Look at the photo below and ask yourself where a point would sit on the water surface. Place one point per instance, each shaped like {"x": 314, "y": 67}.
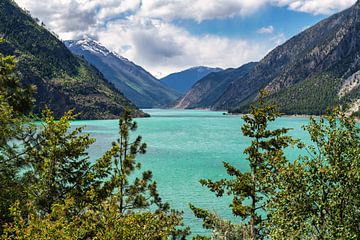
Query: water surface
{"x": 185, "y": 146}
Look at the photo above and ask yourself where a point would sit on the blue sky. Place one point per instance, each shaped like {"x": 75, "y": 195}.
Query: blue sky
{"x": 166, "y": 36}
{"x": 281, "y": 19}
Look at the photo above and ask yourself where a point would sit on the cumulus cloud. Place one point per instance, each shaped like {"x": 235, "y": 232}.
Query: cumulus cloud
{"x": 142, "y": 30}
{"x": 316, "y": 6}
{"x": 70, "y": 18}
{"x": 266, "y": 30}
{"x": 164, "y": 48}
{"x": 199, "y": 10}
{"x": 76, "y": 18}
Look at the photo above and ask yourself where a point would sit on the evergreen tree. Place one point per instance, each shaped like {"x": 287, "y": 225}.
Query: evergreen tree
{"x": 90, "y": 201}
{"x": 134, "y": 193}
{"x": 56, "y": 162}
{"x": 15, "y": 101}
{"x": 140, "y": 193}
{"x": 266, "y": 157}
{"x": 319, "y": 195}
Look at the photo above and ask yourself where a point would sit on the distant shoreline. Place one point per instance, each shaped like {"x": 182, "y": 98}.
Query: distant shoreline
{"x": 282, "y": 115}
{"x": 357, "y": 119}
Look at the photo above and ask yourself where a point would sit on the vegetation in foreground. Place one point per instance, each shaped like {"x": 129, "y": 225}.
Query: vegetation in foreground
{"x": 51, "y": 191}
{"x": 315, "y": 197}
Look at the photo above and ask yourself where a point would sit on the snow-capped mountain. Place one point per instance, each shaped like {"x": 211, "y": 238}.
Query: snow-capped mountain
{"x": 135, "y": 82}
{"x": 184, "y": 80}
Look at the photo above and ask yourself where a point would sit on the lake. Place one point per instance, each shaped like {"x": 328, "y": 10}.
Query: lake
{"x": 185, "y": 146}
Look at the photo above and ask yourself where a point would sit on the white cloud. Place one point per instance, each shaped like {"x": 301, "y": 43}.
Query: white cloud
{"x": 71, "y": 18}
{"x": 76, "y": 18}
{"x": 142, "y": 31}
{"x": 199, "y": 10}
{"x": 266, "y": 30}
{"x": 163, "y": 48}
{"x": 315, "y": 6}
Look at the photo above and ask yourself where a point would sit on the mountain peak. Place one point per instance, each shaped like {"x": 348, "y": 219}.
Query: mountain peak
{"x": 93, "y": 46}
{"x": 184, "y": 80}
{"x": 134, "y": 81}
{"x": 89, "y": 44}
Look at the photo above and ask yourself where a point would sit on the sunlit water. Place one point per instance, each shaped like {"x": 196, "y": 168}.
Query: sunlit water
{"x": 185, "y": 146}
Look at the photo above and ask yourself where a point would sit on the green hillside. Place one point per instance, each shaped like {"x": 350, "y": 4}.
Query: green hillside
{"x": 63, "y": 81}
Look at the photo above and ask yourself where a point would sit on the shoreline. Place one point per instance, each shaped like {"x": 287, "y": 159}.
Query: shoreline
{"x": 225, "y": 113}
{"x": 357, "y": 119}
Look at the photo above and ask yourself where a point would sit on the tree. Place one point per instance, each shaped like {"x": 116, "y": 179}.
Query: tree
{"x": 15, "y": 102}
{"x": 103, "y": 222}
{"x": 57, "y": 163}
{"x": 68, "y": 196}
{"x": 266, "y": 157}
{"x": 319, "y": 195}
{"x": 140, "y": 193}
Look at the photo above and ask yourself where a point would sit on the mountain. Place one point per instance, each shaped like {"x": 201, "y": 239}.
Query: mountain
{"x": 314, "y": 70}
{"x": 184, "y": 80}
{"x": 209, "y": 89}
{"x": 136, "y": 83}
{"x": 63, "y": 80}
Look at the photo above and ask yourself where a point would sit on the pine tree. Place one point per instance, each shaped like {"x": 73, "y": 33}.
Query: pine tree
{"x": 56, "y": 162}
{"x": 15, "y": 102}
{"x": 266, "y": 157}
{"x": 92, "y": 201}
{"x": 141, "y": 192}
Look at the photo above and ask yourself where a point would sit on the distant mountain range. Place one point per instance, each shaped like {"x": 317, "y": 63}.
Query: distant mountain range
{"x": 137, "y": 84}
{"x": 316, "y": 69}
{"x": 206, "y": 92}
{"x": 63, "y": 80}
{"x": 184, "y": 80}
{"x": 312, "y": 71}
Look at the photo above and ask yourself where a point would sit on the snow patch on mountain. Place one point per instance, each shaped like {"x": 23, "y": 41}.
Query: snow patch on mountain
{"x": 91, "y": 45}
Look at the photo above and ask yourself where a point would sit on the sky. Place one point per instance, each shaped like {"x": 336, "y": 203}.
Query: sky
{"x": 166, "y": 36}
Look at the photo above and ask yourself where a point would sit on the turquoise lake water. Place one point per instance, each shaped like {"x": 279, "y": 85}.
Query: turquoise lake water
{"x": 185, "y": 146}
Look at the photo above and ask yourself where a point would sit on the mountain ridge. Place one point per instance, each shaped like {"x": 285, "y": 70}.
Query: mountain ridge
{"x": 135, "y": 82}
{"x": 208, "y": 89}
{"x": 305, "y": 74}
{"x": 63, "y": 81}
{"x": 182, "y": 81}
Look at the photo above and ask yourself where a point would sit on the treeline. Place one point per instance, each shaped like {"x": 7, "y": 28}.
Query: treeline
{"x": 313, "y": 96}
{"x": 50, "y": 190}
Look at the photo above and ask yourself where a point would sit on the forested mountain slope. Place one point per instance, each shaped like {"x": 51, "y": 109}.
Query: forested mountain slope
{"x": 138, "y": 85}
{"x": 63, "y": 80}
{"x": 312, "y": 71}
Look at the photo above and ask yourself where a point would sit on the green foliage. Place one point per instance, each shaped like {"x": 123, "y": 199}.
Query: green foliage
{"x": 311, "y": 96}
{"x": 19, "y": 98}
{"x": 104, "y": 222}
{"x": 15, "y": 101}
{"x": 319, "y": 195}
{"x": 50, "y": 190}
{"x": 69, "y": 198}
{"x": 266, "y": 157}
{"x": 56, "y": 162}
{"x": 133, "y": 194}
{"x": 221, "y": 229}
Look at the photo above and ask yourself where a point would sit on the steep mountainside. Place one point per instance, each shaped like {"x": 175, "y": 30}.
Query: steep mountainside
{"x": 137, "y": 84}
{"x": 310, "y": 72}
{"x": 63, "y": 81}
{"x": 209, "y": 89}
{"x": 184, "y": 80}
